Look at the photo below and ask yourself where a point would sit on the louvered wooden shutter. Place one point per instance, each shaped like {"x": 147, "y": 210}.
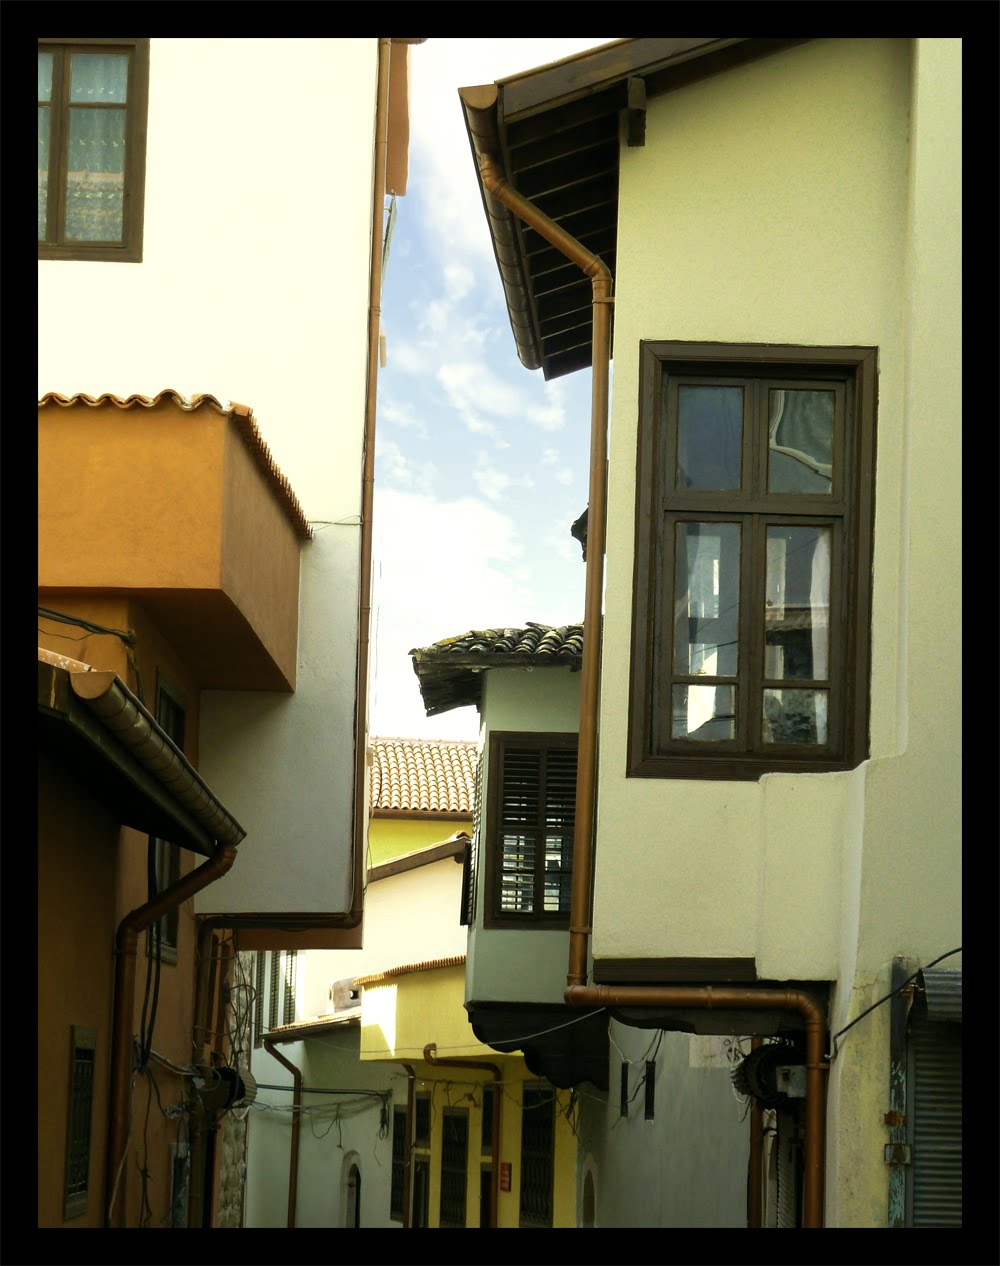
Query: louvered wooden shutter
{"x": 531, "y": 835}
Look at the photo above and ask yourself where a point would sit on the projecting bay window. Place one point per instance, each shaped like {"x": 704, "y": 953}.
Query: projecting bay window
{"x": 92, "y": 97}
{"x": 529, "y": 831}
{"x": 753, "y": 559}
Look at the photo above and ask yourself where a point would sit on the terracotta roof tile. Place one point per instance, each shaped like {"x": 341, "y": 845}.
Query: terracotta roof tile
{"x": 449, "y": 672}
{"x": 432, "y": 964}
{"x": 241, "y": 415}
{"x": 426, "y": 775}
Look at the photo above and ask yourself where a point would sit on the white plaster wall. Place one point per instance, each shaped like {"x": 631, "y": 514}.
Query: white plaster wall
{"x": 768, "y": 205}
{"x": 254, "y": 287}
{"x": 331, "y": 1062}
{"x": 687, "y": 1167}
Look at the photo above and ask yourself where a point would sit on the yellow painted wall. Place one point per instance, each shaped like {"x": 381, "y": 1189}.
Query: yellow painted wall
{"x": 389, "y": 838}
{"x": 398, "y": 1019}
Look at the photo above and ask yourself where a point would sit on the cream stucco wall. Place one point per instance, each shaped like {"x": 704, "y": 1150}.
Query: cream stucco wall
{"x": 811, "y": 198}
{"x": 254, "y": 287}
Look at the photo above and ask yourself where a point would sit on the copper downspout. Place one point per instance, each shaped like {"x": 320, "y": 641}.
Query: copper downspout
{"x": 126, "y": 944}
{"x": 755, "y": 1180}
{"x": 411, "y": 1096}
{"x": 293, "y": 1163}
{"x": 431, "y": 1056}
{"x": 748, "y": 998}
{"x": 578, "y": 993}
{"x": 586, "y": 777}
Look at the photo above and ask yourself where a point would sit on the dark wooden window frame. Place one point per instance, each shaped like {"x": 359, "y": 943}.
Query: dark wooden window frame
{"x": 129, "y": 250}
{"x": 848, "y": 509}
{"x": 538, "y": 918}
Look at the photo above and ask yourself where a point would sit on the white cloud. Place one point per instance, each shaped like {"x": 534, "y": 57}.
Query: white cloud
{"x": 493, "y": 482}
{"x": 397, "y": 470}
{"x": 401, "y": 415}
{"x": 441, "y": 162}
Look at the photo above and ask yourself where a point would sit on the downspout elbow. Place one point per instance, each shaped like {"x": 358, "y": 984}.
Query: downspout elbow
{"x": 126, "y": 945}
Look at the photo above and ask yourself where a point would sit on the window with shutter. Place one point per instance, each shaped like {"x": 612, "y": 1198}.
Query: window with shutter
{"x": 529, "y": 833}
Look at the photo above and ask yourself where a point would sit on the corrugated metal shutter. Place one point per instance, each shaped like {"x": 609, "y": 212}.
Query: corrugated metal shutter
{"x": 936, "y": 1083}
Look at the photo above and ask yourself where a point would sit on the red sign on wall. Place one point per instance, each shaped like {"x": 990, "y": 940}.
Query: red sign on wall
{"x": 504, "y": 1177}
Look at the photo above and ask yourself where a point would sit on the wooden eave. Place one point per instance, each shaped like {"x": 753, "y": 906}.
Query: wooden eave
{"x": 555, "y": 131}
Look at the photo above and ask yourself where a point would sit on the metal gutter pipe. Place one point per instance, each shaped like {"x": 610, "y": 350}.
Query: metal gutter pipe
{"x": 431, "y": 1056}
{"x": 744, "y": 998}
{"x": 755, "y": 1176}
{"x": 590, "y": 671}
{"x": 293, "y": 1163}
{"x": 126, "y": 943}
{"x": 578, "y": 993}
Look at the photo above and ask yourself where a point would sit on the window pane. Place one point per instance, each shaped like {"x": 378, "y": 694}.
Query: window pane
{"x": 707, "y": 599}
{"x": 797, "y": 597}
{"x": 98, "y": 77}
{"x": 44, "y": 116}
{"x": 45, "y": 76}
{"x": 558, "y": 873}
{"x": 709, "y": 436}
{"x": 707, "y": 713}
{"x": 95, "y": 181}
{"x": 795, "y": 716}
{"x": 801, "y": 441}
{"x": 517, "y": 873}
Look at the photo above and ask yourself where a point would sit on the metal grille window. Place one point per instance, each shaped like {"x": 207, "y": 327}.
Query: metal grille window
{"x": 454, "y": 1166}
{"x": 92, "y": 99}
{"x": 399, "y": 1142}
{"x": 81, "y": 1092}
{"x": 486, "y": 1142}
{"x": 530, "y": 818}
{"x": 274, "y": 1009}
{"x": 537, "y": 1155}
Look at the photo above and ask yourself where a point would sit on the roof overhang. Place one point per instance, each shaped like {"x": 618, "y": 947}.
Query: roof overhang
{"x": 555, "y": 132}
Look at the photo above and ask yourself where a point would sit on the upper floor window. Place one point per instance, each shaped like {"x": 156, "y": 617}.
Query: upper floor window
{"x": 752, "y": 598}
{"x": 529, "y": 829}
{"x": 92, "y": 97}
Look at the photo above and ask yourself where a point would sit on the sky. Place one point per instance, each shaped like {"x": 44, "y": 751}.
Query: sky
{"x": 481, "y": 466}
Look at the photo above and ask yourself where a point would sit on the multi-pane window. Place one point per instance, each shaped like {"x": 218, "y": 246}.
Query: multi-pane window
{"x": 529, "y": 837}
{"x": 259, "y": 979}
{"x": 92, "y": 96}
{"x": 83, "y": 1042}
{"x": 753, "y": 557}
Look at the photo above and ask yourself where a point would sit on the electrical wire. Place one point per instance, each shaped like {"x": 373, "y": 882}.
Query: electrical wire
{"x": 833, "y": 1055}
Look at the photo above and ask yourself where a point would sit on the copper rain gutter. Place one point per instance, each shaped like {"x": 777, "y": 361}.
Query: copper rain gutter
{"x": 586, "y": 777}
{"x": 293, "y": 1163}
{"x": 126, "y": 943}
{"x": 431, "y": 1056}
{"x": 578, "y": 993}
